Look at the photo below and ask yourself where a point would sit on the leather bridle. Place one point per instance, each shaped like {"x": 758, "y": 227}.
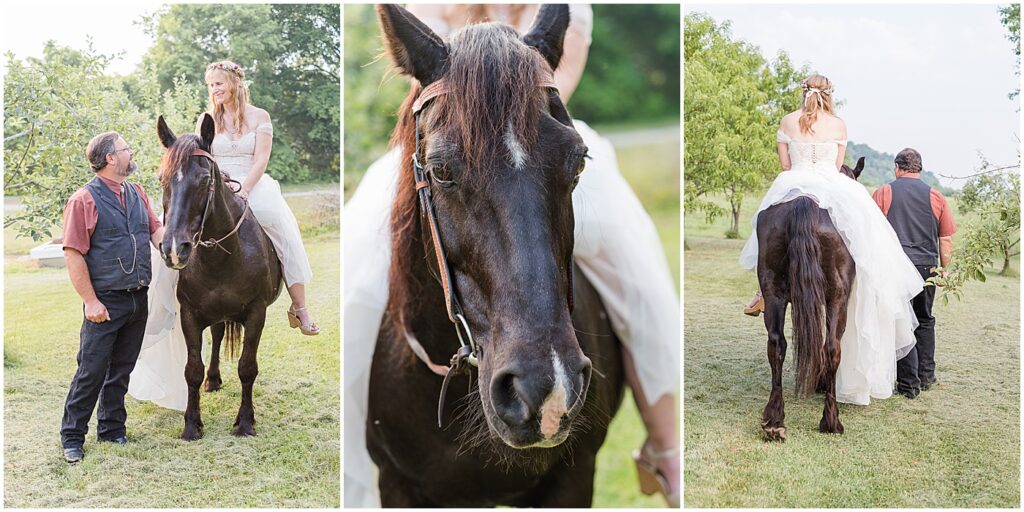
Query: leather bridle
{"x": 467, "y": 355}
{"x": 197, "y": 238}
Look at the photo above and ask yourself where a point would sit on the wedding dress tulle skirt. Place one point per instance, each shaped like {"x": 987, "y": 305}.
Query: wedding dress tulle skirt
{"x": 159, "y": 374}
{"x": 617, "y": 248}
{"x": 881, "y": 321}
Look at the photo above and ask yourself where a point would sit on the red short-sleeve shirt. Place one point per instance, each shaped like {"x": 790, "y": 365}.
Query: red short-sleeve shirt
{"x": 81, "y": 215}
{"x": 883, "y": 197}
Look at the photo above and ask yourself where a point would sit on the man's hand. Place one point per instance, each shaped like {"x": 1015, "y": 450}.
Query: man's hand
{"x": 96, "y": 312}
{"x": 939, "y": 279}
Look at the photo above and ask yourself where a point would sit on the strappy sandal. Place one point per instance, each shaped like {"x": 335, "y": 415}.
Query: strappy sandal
{"x": 756, "y": 309}
{"x": 651, "y": 478}
{"x": 309, "y": 329}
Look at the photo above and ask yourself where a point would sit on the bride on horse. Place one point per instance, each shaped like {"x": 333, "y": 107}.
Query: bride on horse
{"x": 881, "y": 321}
{"x": 616, "y": 247}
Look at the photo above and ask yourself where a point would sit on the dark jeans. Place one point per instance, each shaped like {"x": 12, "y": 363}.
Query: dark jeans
{"x": 919, "y": 365}
{"x": 106, "y": 357}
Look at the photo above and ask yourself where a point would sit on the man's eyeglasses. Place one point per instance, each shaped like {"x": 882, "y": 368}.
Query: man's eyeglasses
{"x": 128, "y": 149}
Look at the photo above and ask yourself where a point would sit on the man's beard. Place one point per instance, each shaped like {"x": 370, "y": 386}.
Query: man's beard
{"x": 132, "y": 167}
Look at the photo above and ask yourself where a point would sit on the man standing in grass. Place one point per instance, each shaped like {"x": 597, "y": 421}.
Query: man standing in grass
{"x": 924, "y": 224}
{"x": 106, "y": 225}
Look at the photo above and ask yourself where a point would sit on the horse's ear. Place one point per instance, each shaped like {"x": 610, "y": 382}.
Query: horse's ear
{"x": 167, "y": 137}
{"x": 207, "y": 130}
{"x": 414, "y": 49}
{"x": 548, "y": 32}
{"x": 860, "y": 167}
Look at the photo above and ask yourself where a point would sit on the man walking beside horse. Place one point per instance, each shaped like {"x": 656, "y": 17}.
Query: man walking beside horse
{"x": 924, "y": 224}
{"x": 106, "y": 225}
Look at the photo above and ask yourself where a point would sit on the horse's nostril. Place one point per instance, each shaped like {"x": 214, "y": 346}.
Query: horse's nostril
{"x": 506, "y": 389}
{"x": 582, "y": 382}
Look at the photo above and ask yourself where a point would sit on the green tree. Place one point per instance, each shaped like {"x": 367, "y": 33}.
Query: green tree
{"x": 291, "y": 55}
{"x": 53, "y": 106}
{"x": 1009, "y": 16}
{"x": 734, "y": 99}
{"x": 995, "y": 198}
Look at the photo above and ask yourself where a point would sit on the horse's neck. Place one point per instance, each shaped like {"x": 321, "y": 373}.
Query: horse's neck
{"x": 224, "y": 215}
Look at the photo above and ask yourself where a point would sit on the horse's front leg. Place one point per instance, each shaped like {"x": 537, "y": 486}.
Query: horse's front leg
{"x": 773, "y": 419}
{"x": 193, "y": 332}
{"x": 213, "y": 380}
{"x": 835, "y": 326}
{"x": 248, "y": 369}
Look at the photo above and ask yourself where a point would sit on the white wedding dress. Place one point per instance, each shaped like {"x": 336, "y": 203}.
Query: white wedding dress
{"x": 617, "y": 247}
{"x": 880, "y": 323}
{"x": 159, "y": 374}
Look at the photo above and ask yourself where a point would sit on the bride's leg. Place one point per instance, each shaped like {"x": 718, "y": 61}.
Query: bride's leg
{"x": 297, "y": 292}
{"x": 660, "y": 420}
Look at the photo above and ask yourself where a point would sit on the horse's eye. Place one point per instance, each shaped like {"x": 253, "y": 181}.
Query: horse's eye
{"x": 442, "y": 174}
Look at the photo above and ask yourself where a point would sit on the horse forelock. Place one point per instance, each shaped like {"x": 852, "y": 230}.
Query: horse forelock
{"x": 175, "y": 157}
{"x": 493, "y": 106}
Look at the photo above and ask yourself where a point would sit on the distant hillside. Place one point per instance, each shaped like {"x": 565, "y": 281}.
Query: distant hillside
{"x": 878, "y": 167}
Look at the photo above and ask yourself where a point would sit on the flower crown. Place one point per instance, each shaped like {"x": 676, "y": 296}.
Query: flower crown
{"x": 808, "y": 89}
{"x": 227, "y": 66}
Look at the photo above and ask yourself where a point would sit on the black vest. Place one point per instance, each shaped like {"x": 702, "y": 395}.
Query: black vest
{"x": 118, "y": 257}
{"x": 914, "y": 221}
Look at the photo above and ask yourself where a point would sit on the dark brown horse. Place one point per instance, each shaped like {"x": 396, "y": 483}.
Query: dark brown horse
{"x": 802, "y": 259}
{"x": 483, "y": 206}
{"x": 228, "y": 270}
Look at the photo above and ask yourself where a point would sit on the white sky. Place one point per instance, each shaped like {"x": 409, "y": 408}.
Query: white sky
{"x": 114, "y": 27}
{"x": 931, "y": 77}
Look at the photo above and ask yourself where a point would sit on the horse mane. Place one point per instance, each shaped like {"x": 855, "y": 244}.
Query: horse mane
{"x": 491, "y": 79}
{"x": 175, "y": 156}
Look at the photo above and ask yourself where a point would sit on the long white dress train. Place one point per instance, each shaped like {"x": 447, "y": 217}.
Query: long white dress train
{"x": 617, "y": 248}
{"x": 159, "y": 374}
{"x": 881, "y": 322}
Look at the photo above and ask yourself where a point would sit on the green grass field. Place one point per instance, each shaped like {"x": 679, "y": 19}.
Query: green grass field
{"x": 292, "y": 462}
{"x": 957, "y": 445}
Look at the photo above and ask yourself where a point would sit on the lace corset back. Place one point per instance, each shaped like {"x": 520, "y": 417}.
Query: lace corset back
{"x": 234, "y": 156}
{"x": 812, "y": 155}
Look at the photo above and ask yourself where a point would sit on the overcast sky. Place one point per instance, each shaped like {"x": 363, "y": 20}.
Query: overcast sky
{"x": 114, "y": 28}
{"x": 931, "y": 77}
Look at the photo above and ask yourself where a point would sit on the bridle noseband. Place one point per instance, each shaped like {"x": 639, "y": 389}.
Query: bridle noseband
{"x": 197, "y": 238}
{"x": 467, "y": 355}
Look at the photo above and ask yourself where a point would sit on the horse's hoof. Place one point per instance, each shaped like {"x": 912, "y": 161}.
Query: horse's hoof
{"x": 243, "y": 431}
{"x": 191, "y": 434}
{"x": 775, "y": 434}
{"x": 213, "y": 384}
{"x": 826, "y": 428}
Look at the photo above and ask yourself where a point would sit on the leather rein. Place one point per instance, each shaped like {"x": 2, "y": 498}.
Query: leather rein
{"x": 467, "y": 355}
{"x": 212, "y": 242}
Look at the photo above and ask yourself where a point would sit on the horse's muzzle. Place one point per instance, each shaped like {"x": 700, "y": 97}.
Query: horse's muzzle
{"x": 176, "y": 254}
{"x": 535, "y": 409}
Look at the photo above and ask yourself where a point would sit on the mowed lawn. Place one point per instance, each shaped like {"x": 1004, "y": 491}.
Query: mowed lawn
{"x": 957, "y": 445}
{"x": 292, "y": 462}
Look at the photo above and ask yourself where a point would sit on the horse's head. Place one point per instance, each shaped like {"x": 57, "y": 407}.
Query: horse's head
{"x": 853, "y": 173}
{"x": 188, "y": 179}
{"x": 503, "y": 158}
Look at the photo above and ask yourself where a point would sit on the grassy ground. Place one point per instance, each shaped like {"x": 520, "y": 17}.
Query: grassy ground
{"x": 957, "y": 445}
{"x": 293, "y": 461}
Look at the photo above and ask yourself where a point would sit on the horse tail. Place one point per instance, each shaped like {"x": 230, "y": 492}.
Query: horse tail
{"x": 232, "y": 338}
{"x": 807, "y": 293}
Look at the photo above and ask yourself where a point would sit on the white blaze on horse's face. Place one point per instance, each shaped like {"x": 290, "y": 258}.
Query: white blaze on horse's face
{"x": 179, "y": 175}
{"x": 515, "y": 148}
{"x": 175, "y": 261}
{"x": 556, "y": 405}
